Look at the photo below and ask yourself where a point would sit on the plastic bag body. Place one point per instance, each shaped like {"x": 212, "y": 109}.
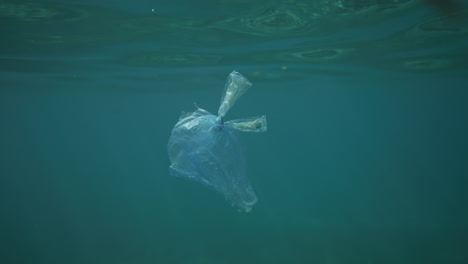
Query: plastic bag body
{"x": 204, "y": 148}
{"x": 204, "y": 151}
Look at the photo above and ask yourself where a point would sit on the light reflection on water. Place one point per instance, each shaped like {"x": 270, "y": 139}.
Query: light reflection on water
{"x": 311, "y": 33}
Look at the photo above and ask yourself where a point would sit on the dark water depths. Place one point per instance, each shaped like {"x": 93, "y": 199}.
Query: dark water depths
{"x": 365, "y": 160}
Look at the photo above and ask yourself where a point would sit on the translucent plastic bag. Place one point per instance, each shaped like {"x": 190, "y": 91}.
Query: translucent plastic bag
{"x": 204, "y": 148}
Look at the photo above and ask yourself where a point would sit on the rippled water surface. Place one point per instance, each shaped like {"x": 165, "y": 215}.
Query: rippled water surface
{"x": 364, "y": 160}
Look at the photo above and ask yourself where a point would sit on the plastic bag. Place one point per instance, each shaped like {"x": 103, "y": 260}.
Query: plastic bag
{"x": 204, "y": 148}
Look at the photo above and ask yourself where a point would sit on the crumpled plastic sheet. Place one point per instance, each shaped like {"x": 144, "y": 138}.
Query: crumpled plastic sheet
{"x": 204, "y": 148}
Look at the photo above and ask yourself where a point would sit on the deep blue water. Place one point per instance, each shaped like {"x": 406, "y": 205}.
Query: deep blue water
{"x": 365, "y": 159}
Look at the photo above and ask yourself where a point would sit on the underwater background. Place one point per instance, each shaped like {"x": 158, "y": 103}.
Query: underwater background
{"x": 365, "y": 159}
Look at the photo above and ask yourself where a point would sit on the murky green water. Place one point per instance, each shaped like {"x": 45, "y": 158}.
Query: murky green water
{"x": 364, "y": 161}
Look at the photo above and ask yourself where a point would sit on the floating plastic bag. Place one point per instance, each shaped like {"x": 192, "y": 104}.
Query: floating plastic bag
{"x": 204, "y": 148}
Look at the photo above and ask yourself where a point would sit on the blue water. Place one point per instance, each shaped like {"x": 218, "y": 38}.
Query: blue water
{"x": 364, "y": 161}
